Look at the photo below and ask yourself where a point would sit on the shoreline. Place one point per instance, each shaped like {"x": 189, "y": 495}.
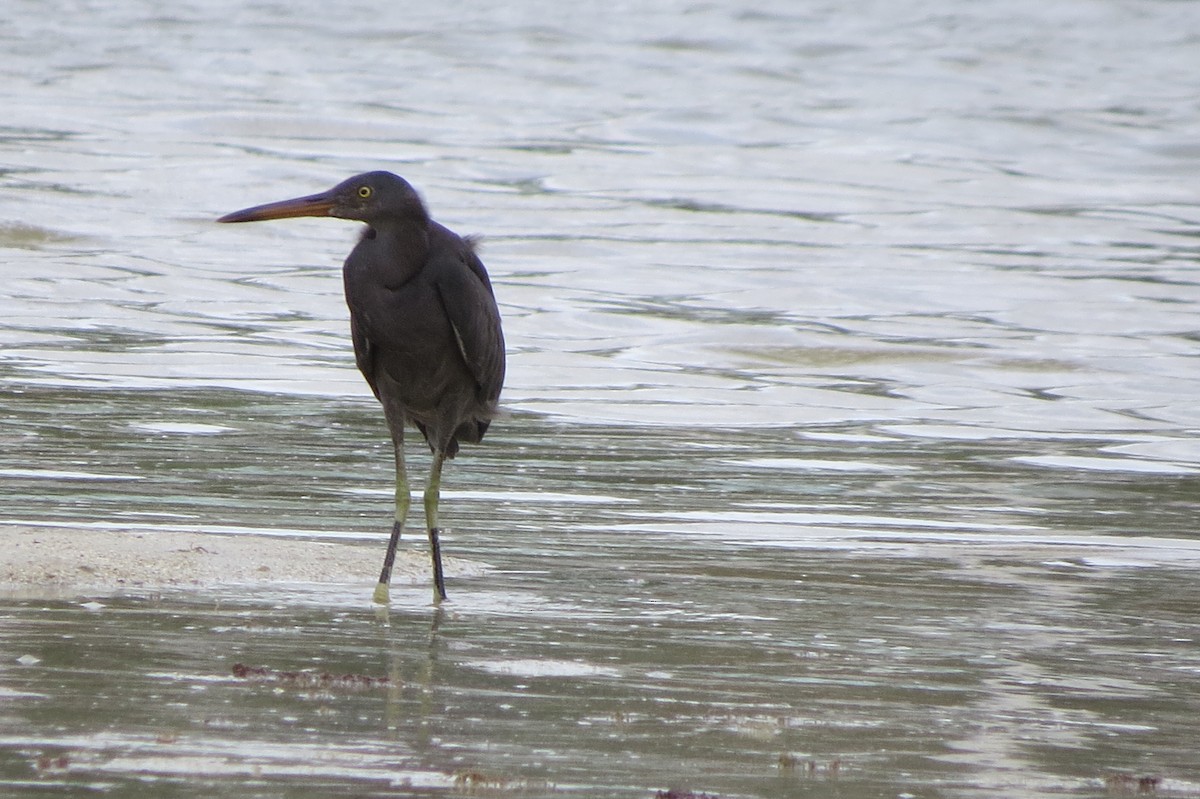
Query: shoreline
{"x": 54, "y": 562}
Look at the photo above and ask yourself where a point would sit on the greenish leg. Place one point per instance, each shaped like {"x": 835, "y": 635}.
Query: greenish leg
{"x": 403, "y": 500}
{"x": 431, "y": 522}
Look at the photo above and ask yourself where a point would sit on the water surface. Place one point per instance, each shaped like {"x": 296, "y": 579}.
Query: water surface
{"x": 850, "y": 435}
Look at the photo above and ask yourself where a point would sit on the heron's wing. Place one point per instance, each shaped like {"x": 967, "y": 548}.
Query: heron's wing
{"x": 364, "y": 354}
{"x": 466, "y": 296}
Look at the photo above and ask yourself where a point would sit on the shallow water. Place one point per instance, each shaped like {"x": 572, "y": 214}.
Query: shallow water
{"x": 850, "y": 442}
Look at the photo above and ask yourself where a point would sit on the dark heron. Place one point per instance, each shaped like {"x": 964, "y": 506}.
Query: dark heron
{"x": 425, "y": 326}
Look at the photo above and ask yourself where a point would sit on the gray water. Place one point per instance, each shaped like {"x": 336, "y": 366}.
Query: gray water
{"x": 850, "y": 436}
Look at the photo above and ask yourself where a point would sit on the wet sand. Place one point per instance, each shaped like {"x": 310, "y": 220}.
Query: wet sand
{"x": 51, "y": 562}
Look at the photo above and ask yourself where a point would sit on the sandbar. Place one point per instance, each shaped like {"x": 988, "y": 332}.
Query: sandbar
{"x": 53, "y": 562}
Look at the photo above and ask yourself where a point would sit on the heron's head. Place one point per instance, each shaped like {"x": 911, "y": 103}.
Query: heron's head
{"x": 372, "y": 197}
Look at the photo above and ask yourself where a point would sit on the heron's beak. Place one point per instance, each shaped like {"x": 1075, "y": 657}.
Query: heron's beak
{"x": 313, "y": 205}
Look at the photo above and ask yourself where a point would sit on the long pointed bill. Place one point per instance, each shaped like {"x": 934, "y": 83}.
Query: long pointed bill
{"x": 313, "y": 205}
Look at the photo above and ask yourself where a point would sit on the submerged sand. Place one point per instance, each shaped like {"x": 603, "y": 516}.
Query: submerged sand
{"x": 52, "y": 562}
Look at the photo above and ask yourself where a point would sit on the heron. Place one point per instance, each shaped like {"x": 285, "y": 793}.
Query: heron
{"x": 425, "y": 327}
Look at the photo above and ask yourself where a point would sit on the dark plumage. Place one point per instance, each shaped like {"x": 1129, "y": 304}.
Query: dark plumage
{"x": 425, "y": 327}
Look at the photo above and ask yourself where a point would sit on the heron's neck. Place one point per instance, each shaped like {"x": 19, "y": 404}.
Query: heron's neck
{"x": 394, "y": 251}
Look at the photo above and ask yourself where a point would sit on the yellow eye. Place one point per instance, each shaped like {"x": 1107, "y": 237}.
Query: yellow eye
{"x": 365, "y": 192}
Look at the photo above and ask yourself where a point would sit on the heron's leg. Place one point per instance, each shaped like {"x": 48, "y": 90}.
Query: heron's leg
{"x": 431, "y": 511}
{"x": 403, "y": 500}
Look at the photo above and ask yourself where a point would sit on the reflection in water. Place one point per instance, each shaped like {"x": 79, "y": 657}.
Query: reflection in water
{"x": 688, "y": 608}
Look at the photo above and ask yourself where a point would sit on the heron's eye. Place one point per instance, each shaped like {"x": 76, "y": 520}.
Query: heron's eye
{"x": 365, "y": 192}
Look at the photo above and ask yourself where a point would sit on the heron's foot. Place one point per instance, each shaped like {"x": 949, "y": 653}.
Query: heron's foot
{"x": 382, "y": 595}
